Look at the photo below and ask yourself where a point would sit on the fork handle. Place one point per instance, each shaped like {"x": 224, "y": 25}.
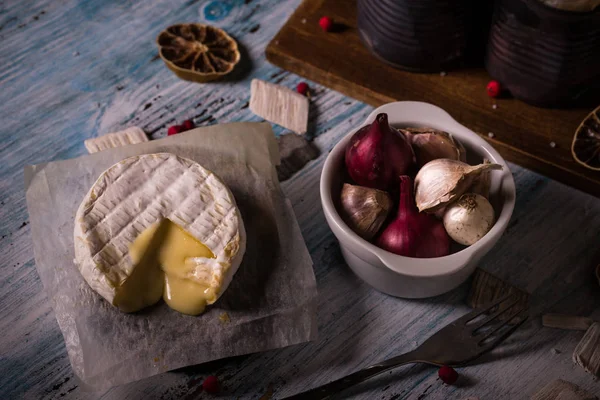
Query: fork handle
{"x": 324, "y": 391}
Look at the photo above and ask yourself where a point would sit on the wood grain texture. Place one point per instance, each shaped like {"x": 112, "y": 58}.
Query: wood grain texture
{"x": 522, "y": 133}
{"x": 560, "y": 389}
{"x": 74, "y": 69}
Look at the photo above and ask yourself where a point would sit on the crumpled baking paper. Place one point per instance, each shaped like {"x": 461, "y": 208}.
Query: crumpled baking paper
{"x": 271, "y": 302}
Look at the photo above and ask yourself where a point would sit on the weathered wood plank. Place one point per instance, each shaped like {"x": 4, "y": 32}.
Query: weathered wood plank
{"x": 82, "y": 69}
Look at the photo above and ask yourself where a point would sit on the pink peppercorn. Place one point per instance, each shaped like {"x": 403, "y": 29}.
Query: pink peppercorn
{"x": 211, "y": 384}
{"x": 326, "y": 24}
{"x": 188, "y": 124}
{"x": 302, "y": 88}
{"x": 448, "y": 375}
{"x": 174, "y": 130}
{"x": 493, "y": 89}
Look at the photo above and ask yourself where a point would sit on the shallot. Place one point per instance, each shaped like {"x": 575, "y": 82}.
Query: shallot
{"x": 414, "y": 234}
{"x": 378, "y": 155}
{"x": 469, "y": 219}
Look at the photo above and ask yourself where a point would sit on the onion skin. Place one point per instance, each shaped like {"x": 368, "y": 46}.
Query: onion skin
{"x": 442, "y": 181}
{"x": 364, "y": 209}
{"x": 430, "y": 144}
{"x": 378, "y": 155}
{"x": 413, "y": 234}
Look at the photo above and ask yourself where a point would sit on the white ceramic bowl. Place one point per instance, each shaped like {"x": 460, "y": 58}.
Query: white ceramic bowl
{"x": 405, "y": 276}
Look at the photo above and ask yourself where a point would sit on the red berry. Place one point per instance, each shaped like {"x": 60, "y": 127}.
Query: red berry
{"x": 211, "y": 384}
{"x": 493, "y": 89}
{"x": 448, "y": 375}
{"x": 174, "y": 130}
{"x": 187, "y": 125}
{"x": 326, "y": 24}
{"x": 302, "y": 88}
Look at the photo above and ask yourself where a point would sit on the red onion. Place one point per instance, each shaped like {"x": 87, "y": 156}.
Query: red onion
{"x": 378, "y": 154}
{"x": 411, "y": 233}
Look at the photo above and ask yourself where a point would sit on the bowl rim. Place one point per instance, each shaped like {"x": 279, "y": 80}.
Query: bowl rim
{"x": 413, "y": 112}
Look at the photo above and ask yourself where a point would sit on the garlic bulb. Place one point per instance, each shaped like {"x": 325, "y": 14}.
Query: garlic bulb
{"x": 469, "y": 219}
{"x": 430, "y": 144}
{"x": 365, "y": 209}
{"x": 442, "y": 181}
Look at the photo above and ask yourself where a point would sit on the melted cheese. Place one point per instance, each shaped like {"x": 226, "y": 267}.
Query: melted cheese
{"x": 159, "y": 254}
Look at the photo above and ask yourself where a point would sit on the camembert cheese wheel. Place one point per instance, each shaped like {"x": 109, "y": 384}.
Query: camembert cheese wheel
{"x": 159, "y": 226}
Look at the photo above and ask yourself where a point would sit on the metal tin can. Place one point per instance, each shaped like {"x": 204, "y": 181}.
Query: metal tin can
{"x": 423, "y": 35}
{"x": 542, "y": 55}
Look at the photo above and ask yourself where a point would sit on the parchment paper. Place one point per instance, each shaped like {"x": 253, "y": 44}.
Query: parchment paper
{"x": 271, "y": 302}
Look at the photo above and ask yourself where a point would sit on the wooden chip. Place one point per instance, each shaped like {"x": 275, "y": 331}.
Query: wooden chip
{"x": 224, "y": 318}
{"x": 279, "y": 105}
{"x": 571, "y": 322}
{"x": 562, "y": 390}
{"x": 587, "y": 352}
{"x": 486, "y": 288}
{"x": 295, "y": 151}
{"x": 130, "y": 135}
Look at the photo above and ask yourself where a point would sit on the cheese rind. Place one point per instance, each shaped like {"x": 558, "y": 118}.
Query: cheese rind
{"x": 139, "y": 192}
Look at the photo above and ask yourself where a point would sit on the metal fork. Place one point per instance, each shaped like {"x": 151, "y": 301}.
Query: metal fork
{"x": 455, "y": 344}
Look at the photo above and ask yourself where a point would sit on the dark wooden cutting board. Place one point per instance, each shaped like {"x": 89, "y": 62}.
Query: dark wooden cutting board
{"x": 536, "y": 138}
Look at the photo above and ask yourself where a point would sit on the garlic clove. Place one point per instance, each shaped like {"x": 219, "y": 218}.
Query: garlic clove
{"x": 365, "y": 209}
{"x": 430, "y": 144}
{"x": 469, "y": 219}
{"x": 442, "y": 181}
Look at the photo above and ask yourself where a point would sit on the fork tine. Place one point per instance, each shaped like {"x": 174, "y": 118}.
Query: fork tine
{"x": 503, "y": 324}
{"x": 499, "y": 325}
{"x": 478, "y": 311}
{"x": 495, "y": 315}
{"x": 506, "y": 334}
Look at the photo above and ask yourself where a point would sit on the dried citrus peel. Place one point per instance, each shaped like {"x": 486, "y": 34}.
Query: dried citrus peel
{"x": 586, "y": 142}
{"x": 198, "y": 52}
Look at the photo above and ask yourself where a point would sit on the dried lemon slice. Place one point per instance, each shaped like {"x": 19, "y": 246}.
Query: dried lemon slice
{"x": 586, "y": 142}
{"x": 197, "y": 52}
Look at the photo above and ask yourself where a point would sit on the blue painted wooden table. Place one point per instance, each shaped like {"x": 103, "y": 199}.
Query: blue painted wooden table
{"x": 75, "y": 69}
